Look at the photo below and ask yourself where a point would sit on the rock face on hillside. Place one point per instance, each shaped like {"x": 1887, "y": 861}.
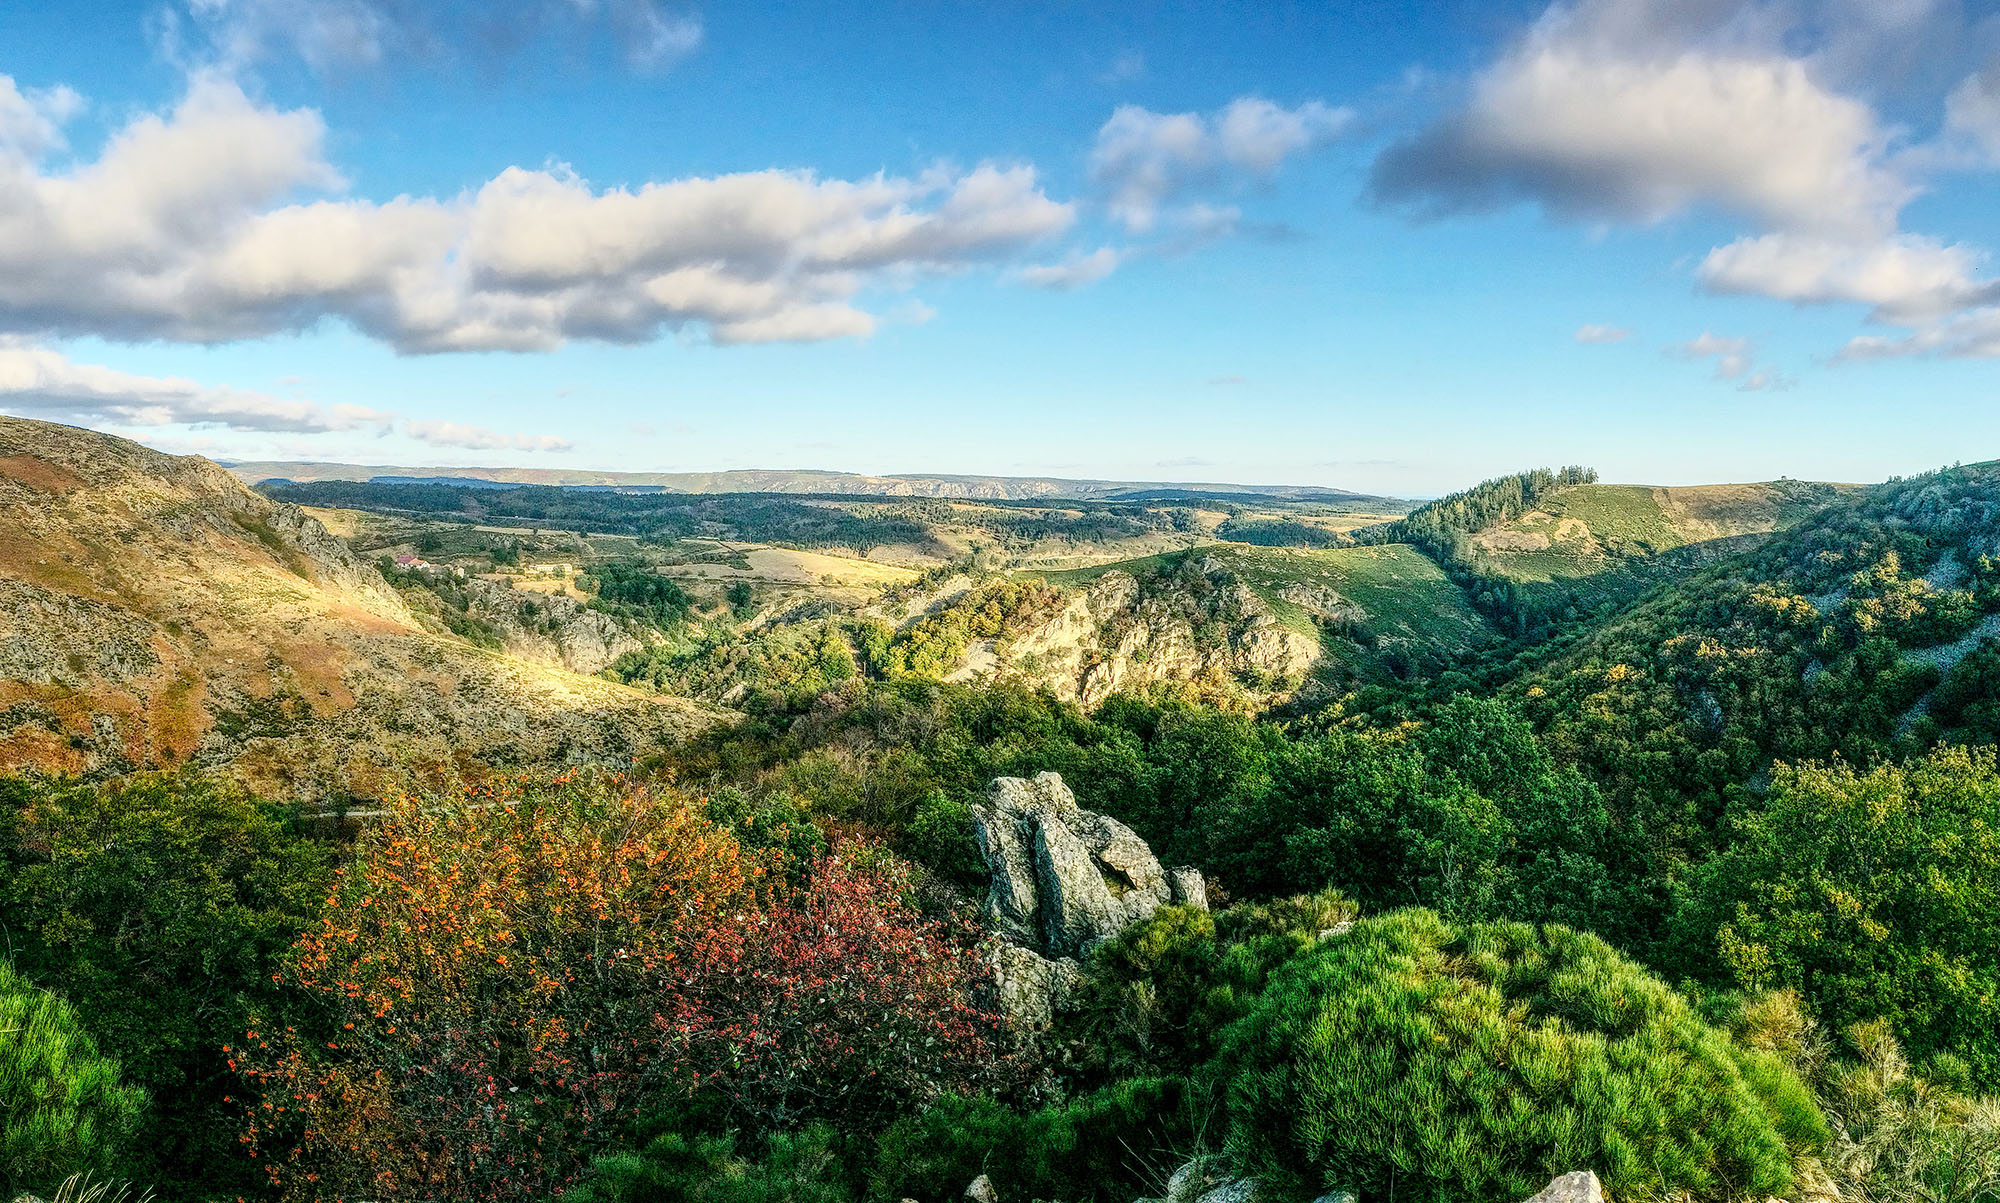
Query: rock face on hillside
{"x": 155, "y": 611}
{"x": 1064, "y": 880}
{"x": 548, "y": 629}
{"x": 1113, "y": 636}
{"x": 557, "y": 631}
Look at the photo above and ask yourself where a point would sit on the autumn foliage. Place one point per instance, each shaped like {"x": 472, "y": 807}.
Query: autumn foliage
{"x": 510, "y": 978}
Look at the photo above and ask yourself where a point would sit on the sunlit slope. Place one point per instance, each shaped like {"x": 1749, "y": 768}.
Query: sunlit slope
{"x": 1390, "y": 596}
{"x": 1870, "y": 627}
{"x": 1584, "y": 530}
{"x": 153, "y": 610}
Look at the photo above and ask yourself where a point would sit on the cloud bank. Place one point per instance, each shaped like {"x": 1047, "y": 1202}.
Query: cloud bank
{"x": 222, "y": 220}
{"x": 1637, "y": 112}
{"x": 36, "y": 382}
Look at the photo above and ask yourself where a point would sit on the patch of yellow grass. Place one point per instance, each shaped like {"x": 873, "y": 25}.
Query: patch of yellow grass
{"x": 785, "y": 566}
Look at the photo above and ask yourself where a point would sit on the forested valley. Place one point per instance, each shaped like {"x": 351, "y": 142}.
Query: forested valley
{"x": 1670, "y": 857}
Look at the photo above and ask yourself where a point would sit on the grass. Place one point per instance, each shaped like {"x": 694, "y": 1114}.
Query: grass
{"x": 1588, "y": 530}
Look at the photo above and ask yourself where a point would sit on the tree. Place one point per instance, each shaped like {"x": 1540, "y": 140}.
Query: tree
{"x": 1876, "y": 895}
{"x": 159, "y": 906}
{"x": 63, "y": 1108}
{"x": 847, "y": 1005}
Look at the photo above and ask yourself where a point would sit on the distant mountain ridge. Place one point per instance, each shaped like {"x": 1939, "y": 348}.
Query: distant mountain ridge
{"x": 752, "y": 480}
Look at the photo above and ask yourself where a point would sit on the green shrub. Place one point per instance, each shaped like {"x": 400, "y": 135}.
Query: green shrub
{"x": 939, "y": 837}
{"x": 1116, "y": 1144}
{"x": 1897, "y": 1137}
{"x": 799, "y": 1167}
{"x": 1158, "y": 995}
{"x": 63, "y": 1108}
{"x": 1901, "y": 1139}
{"x": 1477, "y": 1062}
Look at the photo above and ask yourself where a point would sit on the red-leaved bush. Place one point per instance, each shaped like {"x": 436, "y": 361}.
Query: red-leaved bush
{"x": 847, "y": 1005}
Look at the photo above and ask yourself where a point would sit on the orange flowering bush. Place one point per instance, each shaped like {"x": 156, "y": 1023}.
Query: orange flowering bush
{"x": 505, "y": 976}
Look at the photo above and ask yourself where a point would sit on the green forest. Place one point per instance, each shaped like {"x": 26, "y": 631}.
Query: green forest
{"x": 1693, "y": 883}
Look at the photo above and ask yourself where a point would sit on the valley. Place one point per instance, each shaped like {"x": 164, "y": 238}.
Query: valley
{"x": 1278, "y": 759}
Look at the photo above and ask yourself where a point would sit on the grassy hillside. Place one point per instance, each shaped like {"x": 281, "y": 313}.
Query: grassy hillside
{"x": 1542, "y": 553}
{"x": 153, "y": 610}
{"x": 1583, "y": 530}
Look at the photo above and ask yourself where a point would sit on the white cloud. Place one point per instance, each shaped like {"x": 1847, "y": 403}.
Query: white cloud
{"x": 654, "y": 34}
{"x": 1735, "y": 361}
{"x": 213, "y": 223}
{"x": 39, "y": 383}
{"x": 1638, "y": 111}
{"x": 1599, "y": 137}
{"x": 439, "y": 433}
{"x": 1766, "y": 380}
{"x": 36, "y": 382}
{"x": 1972, "y": 117}
{"x": 1974, "y": 334}
{"x": 1142, "y": 159}
{"x": 1733, "y": 356}
{"x": 1905, "y": 278}
{"x": 31, "y": 122}
{"x": 1258, "y": 136}
{"x": 1073, "y": 272}
{"x": 1595, "y": 335}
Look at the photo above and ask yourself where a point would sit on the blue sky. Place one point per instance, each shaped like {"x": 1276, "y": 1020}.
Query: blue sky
{"x": 1397, "y": 247}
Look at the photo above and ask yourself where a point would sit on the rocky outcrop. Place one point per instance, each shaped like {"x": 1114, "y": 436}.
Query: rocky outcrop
{"x": 1063, "y": 880}
{"x": 1117, "y": 636}
{"x": 549, "y": 628}
{"x": 1030, "y": 986}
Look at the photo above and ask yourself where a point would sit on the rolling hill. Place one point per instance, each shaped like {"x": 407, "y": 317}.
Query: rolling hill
{"x": 1543, "y": 553}
{"x": 1869, "y": 628}
{"x": 1579, "y": 531}
{"x": 153, "y": 610}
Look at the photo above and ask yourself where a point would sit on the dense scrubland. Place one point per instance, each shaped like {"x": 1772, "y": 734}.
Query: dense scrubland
{"x": 1682, "y": 870}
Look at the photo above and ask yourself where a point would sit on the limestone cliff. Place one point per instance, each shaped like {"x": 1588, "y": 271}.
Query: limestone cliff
{"x": 1116, "y": 635}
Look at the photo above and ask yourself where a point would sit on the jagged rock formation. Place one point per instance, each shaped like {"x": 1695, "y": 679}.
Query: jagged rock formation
{"x": 1112, "y": 637}
{"x": 153, "y": 610}
{"x": 1064, "y": 880}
